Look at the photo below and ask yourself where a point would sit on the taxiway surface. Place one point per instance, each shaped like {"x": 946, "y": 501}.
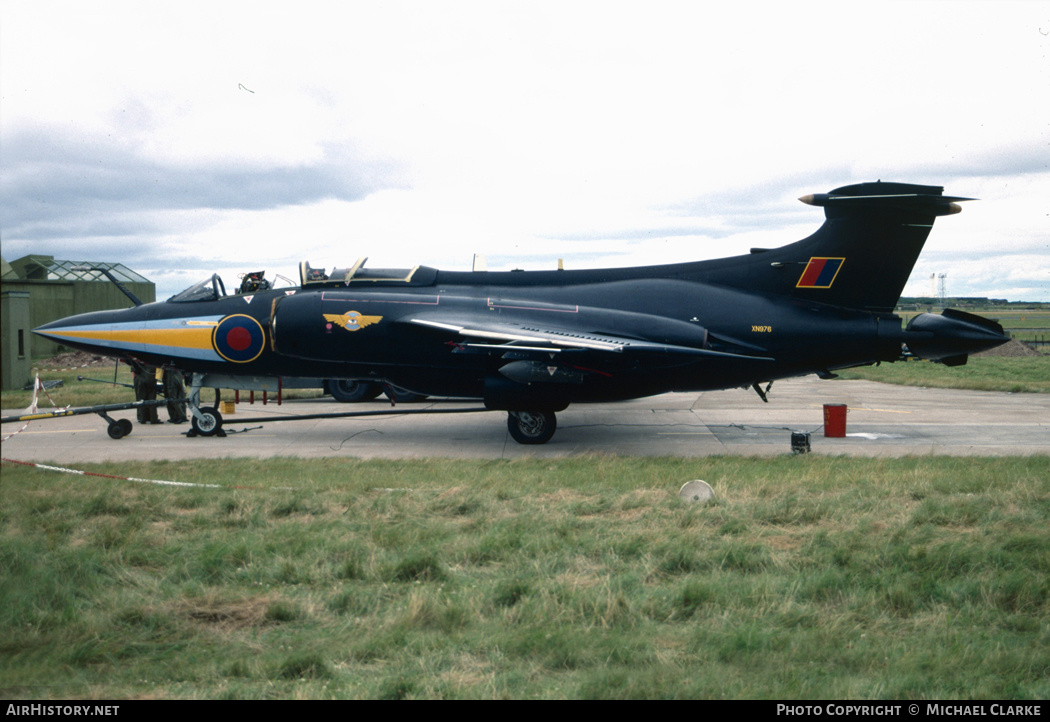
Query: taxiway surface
{"x": 883, "y": 420}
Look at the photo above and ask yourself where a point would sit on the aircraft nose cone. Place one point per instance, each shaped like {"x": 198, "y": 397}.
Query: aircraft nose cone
{"x": 52, "y": 329}
{"x": 64, "y": 325}
{"x": 86, "y": 332}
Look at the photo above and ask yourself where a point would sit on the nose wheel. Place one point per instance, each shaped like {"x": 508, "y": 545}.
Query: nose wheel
{"x": 206, "y": 421}
{"x": 532, "y": 427}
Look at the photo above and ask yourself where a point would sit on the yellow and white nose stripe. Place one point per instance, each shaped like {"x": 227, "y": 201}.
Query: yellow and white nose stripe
{"x": 189, "y": 338}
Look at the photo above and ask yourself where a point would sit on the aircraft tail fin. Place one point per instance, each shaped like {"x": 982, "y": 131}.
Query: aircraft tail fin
{"x": 863, "y": 254}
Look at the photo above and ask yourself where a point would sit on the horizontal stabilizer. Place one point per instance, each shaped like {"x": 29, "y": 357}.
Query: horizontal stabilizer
{"x": 887, "y": 196}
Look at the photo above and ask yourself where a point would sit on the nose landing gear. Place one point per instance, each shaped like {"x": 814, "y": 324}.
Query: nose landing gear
{"x": 206, "y": 421}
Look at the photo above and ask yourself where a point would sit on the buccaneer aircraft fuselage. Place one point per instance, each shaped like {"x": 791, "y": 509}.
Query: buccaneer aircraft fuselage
{"x": 532, "y": 343}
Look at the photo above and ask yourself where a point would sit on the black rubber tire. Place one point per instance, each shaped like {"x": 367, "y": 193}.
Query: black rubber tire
{"x": 532, "y": 427}
{"x": 212, "y": 421}
{"x": 350, "y": 392}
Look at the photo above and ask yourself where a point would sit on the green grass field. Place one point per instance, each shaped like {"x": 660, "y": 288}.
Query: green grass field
{"x": 807, "y": 577}
{"x": 1029, "y": 374}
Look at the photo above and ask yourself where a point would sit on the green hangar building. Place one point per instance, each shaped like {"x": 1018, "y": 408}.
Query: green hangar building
{"x": 37, "y": 289}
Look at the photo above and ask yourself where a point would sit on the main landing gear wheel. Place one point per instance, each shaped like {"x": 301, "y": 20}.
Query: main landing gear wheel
{"x": 119, "y": 429}
{"x": 353, "y": 391}
{"x": 532, "y": 427}
{"x": 210, "y": 425}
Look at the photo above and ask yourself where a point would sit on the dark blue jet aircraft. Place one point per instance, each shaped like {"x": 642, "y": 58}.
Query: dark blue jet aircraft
{"x": 531, "y": 343}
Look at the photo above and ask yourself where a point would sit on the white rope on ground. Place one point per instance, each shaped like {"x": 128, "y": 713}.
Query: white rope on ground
{"x": 112, "y": 476}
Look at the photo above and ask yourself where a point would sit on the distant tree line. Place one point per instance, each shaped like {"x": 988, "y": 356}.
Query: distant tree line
{"x": 913, "y": 303}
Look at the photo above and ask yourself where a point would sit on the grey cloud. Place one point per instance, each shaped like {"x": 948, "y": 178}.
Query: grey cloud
{"x": 1006, "y": 160}
{"x": 60, "y": 186}
{"x": 766, "y": 204}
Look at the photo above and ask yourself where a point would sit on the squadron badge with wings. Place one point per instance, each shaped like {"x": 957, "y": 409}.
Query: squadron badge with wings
{"x": 352, "y": 320}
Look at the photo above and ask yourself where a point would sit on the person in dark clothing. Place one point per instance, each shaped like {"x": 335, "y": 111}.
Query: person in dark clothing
{"x": 145, "y": 382}
{"x": 174, "y": 389}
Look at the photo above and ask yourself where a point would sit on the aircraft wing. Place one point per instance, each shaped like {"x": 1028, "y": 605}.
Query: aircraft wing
{"x": 517, "y": 338}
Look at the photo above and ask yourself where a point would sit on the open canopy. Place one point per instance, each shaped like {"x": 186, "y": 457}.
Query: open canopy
{"x": 417, "y": 276}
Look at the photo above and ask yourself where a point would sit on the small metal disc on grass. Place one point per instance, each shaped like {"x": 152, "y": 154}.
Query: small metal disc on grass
{"x": 696, "y": 491}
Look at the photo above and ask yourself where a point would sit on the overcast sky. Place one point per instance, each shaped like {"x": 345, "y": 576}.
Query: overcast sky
{"x": 186, "y": 138}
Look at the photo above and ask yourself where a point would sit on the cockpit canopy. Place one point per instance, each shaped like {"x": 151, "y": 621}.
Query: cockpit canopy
{"x": 210, "y": 289}
{"x": 358, "y": 274}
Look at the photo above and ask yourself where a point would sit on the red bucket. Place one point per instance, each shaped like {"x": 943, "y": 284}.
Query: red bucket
{"x": 835, "y": 420}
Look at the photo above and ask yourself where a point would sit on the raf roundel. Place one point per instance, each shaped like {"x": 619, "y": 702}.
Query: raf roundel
{"x": 239, "y": 338}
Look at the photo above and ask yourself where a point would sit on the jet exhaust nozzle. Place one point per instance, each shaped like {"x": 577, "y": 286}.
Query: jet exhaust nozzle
{"x": 951, "y": 336}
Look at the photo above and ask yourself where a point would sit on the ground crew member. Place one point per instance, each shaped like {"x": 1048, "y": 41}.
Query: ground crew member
{"x": 145, "y": 383}
{"x": 174, "y": 389}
